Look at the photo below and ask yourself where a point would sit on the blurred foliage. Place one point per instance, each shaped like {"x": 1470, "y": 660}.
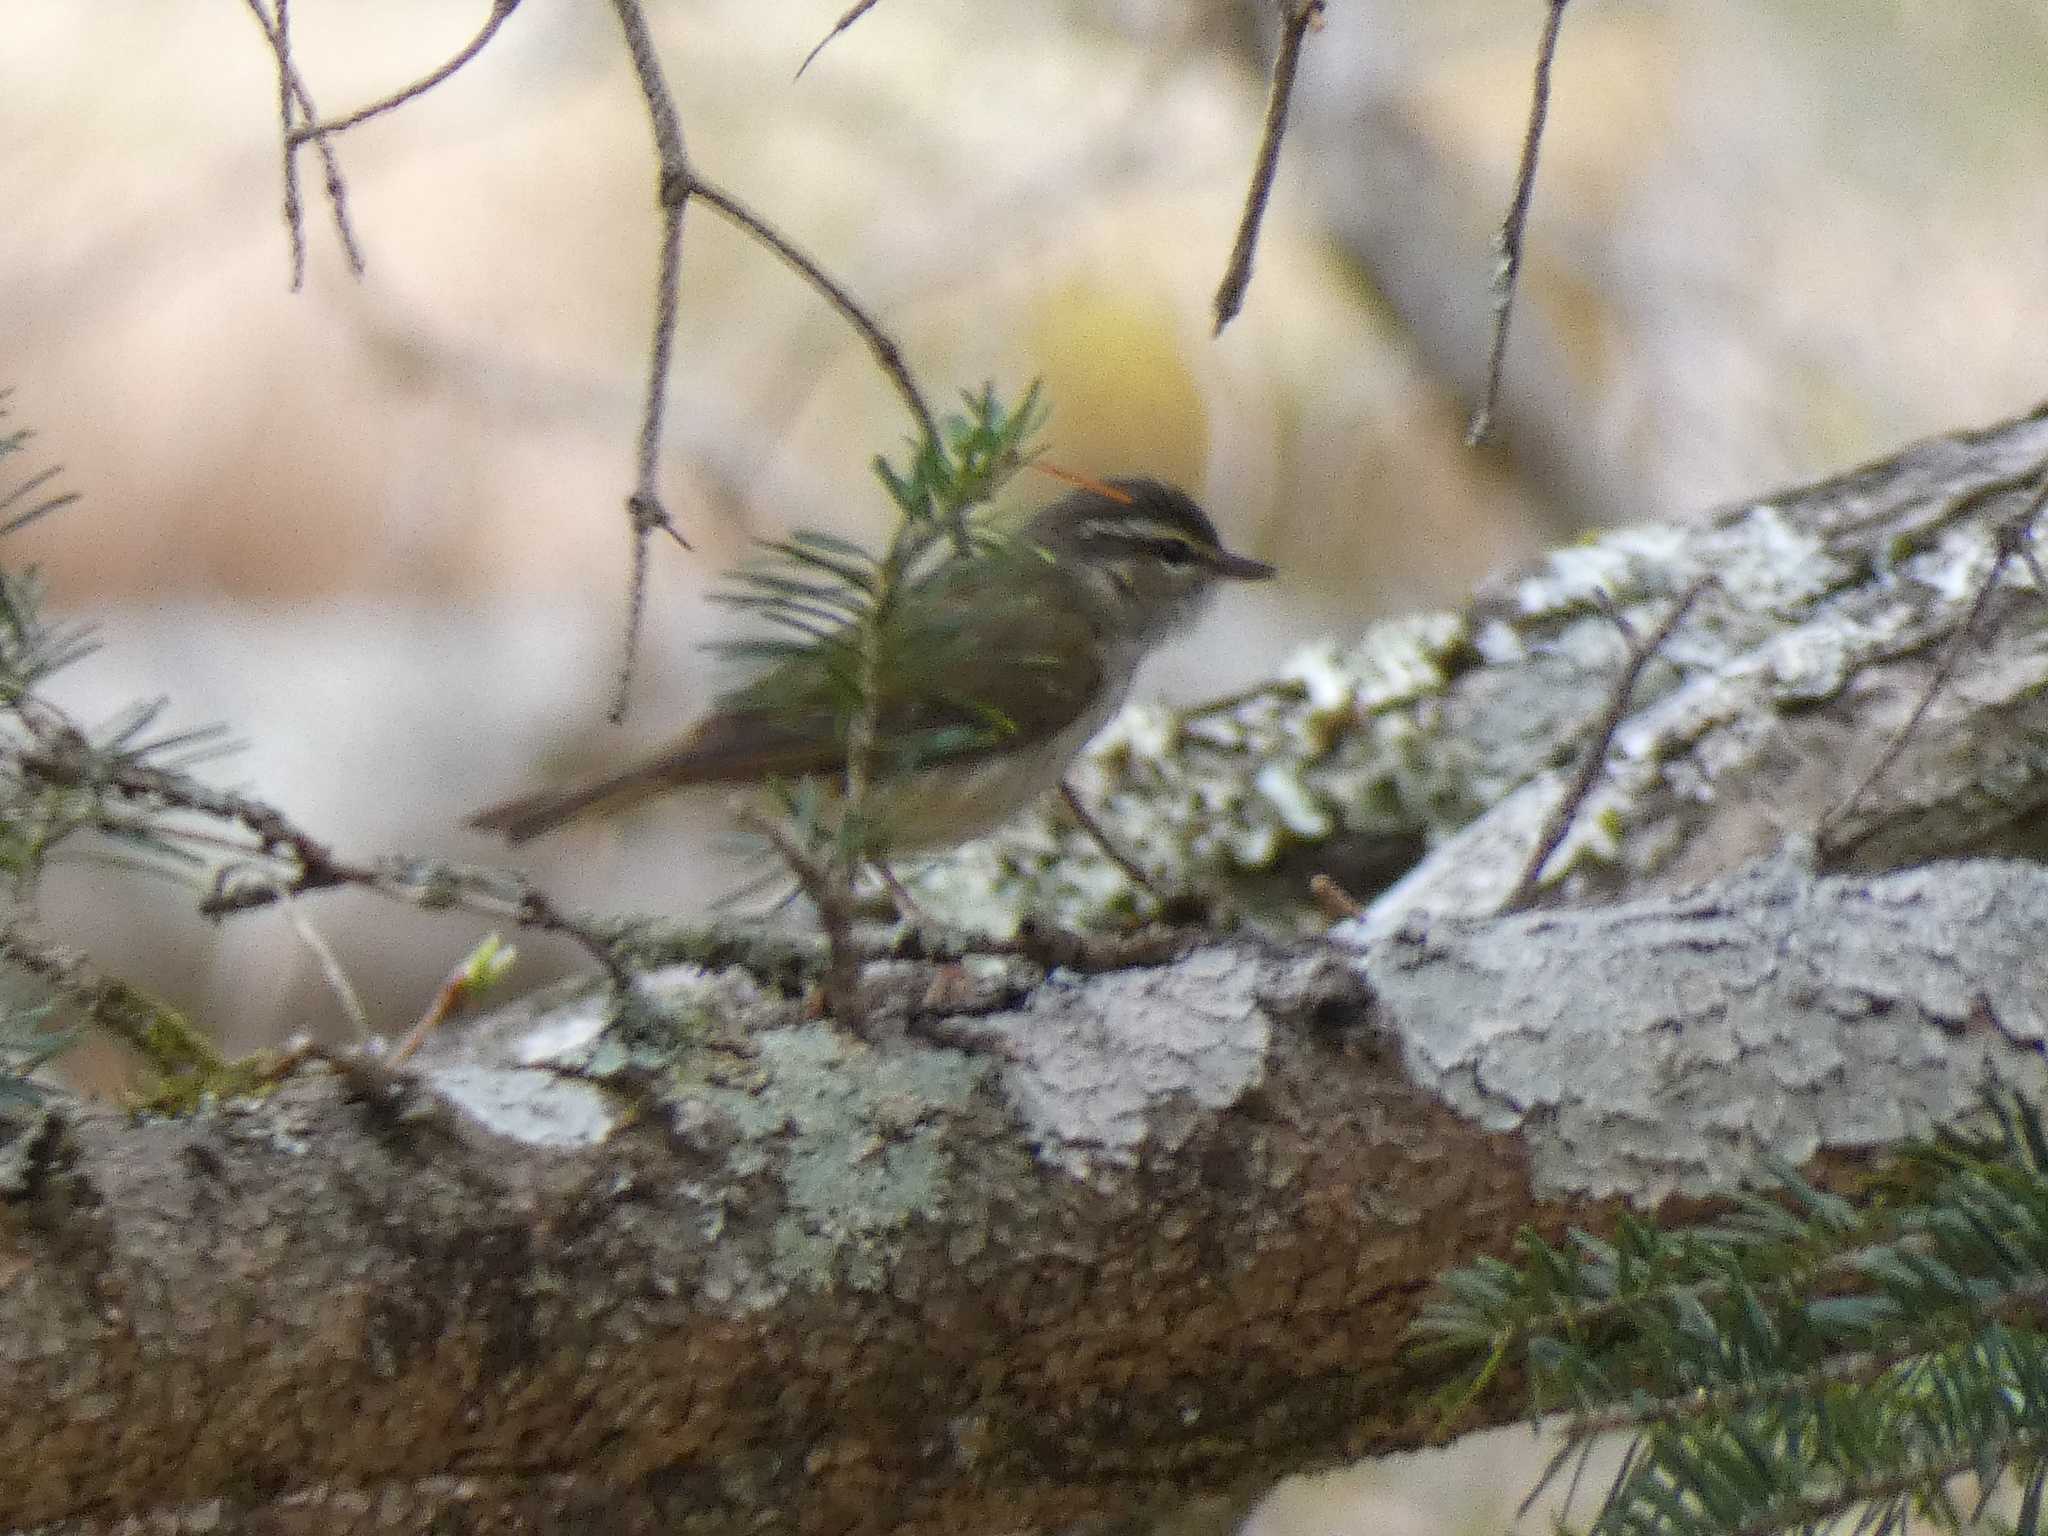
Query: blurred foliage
{"x": 59, "y": 779}
{"x": 1807, "y": 1362}
{"x": 844, "y": 633}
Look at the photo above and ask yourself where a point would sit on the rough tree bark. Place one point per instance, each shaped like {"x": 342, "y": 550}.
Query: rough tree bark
{"x": 1046, "y": 1249}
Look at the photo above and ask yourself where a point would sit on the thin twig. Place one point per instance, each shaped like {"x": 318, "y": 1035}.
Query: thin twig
{"x": 644, "y": 506}
{"x": 1237, "y": 275}
{"x": 329, "y": 962}
{"x": 66, "y": 759}
{"x": 1133, "y": 870}
{"x": 2010, "y": 539}
{"x": 295, "y": 99}
{"x": 1559, "y": 823}
{"x": 679, "y": 182}
{"x": 854, "y": 12}
{"x": 1508, "y": 244}
{"x": 536, "y": 910}
{"x": 886, "y": 352}
{"x": 500, "y": 10}
{"x": 287, "y": 106}
{"x": 829, "y": 892}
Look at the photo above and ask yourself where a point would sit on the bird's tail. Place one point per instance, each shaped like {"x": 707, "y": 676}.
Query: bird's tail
{"x": 528, "y": 816}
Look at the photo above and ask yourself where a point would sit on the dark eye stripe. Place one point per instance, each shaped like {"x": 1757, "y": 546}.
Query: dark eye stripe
{"x": 1168, "y": 548}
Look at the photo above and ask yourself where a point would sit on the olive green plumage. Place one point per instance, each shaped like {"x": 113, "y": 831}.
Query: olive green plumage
{"x": 994, "y": 666}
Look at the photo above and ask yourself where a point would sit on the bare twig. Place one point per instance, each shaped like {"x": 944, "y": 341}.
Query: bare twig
{"x": 644, "y": 506}
{"x": 679, "y": 183}
{"x": 287, "y": 108}
{"x": 887, "y": 354}
{"x": 330, "y": 964}
{"x": 1237, "y": 275}
{"x": 305, "y": 132}
{"x": 1133, "y": 870}
{"x": 854, "y": 12}
{"x": 66, "y": 759}
{"x": 536, "y": 910}
{"x": 830, "y": 892}
{"x": 301, "y": 124}
{"x": 1640, "y": 654}
{"x": 1508, "y": 244}
{"x": 294, "y": 101}
{"x": 2011, "y": 540}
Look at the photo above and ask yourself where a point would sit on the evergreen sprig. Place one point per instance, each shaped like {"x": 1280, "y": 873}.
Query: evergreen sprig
{"x": 835, "y": 603}
{"x": 1806, "y": 1362}
{"x": 835, "y": 643}
{"x": 980, "y": 447}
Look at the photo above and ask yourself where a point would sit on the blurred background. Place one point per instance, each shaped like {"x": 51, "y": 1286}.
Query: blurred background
{"x": 375, "y": 527}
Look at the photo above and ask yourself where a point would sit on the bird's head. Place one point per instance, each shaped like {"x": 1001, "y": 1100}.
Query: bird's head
{"x": 1148, "y": 555}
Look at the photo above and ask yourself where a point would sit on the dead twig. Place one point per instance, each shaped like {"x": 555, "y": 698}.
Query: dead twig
{"x": 679, "y": 182}
{"x": 853, "y": 13}
{"x": 1133, "y": 870}
{"x": 830, "y": 892}
{"x": 1640, "y": 654}
{"x": 295, "y": 102}
{"x": 1237, "y": 273}
{"x": 887, "y": 354}
{"x": 644, "y": 506}
{"x": 2010, "y": 541}
{"x": 307, "y": 132}
{"x": 1508, "y": 244}
{"x": 64, "y": 758}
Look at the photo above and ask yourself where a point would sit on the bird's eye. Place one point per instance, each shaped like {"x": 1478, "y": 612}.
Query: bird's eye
{"x": 1175, "y": 551}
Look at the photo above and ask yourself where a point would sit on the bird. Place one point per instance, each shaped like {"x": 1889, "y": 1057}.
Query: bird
{"x": 990, "y": 671}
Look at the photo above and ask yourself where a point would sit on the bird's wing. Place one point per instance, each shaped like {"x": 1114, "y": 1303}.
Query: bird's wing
{"x": 987, "y": 658}
{"x": 996, "y": 659}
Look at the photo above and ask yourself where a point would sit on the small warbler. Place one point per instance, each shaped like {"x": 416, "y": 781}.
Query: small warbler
{"x": 995, "y": 668}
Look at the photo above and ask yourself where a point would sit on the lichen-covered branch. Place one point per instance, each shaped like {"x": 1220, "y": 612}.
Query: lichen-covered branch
{"x": 1039, "y": 1244}
{"x": 1156, "y": 1226}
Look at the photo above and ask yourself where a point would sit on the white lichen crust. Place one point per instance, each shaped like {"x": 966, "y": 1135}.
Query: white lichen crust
{"x": 1670, "y": 1045}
